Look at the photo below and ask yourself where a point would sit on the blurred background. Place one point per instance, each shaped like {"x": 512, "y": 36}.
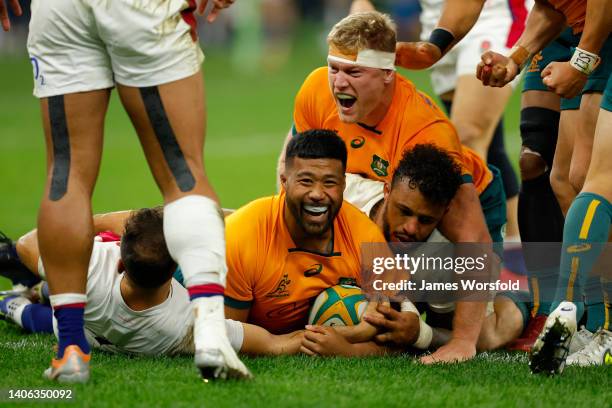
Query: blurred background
{"x": 258, "y": 53}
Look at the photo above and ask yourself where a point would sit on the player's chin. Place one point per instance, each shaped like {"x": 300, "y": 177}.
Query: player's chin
{"x": 318, "y": 227}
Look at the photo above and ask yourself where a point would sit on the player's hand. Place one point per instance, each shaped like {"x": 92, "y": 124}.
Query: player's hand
{"x": 14, "y": 4}
{"x": 363, "y": 331}
{"x": 416, "y": 55}
{"x": 218, "y": 5}
{"x": 496, "y": 70}
{"x": 324, "y": 341}
{"x": 361, "y": 6}
{"x": 454, "y": 351}
{"x": 563, "y": 79}
{"x": 400, "y": 328}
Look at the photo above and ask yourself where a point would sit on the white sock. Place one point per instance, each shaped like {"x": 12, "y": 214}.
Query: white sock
{"x": 15, "y": 309}
{"x": 195, "y": 234}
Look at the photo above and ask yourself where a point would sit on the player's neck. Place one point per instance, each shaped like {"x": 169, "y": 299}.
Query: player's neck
{"x": 140, "y": 299}
{"x": 319, "y": 243}
{"x": 380, "y": 111}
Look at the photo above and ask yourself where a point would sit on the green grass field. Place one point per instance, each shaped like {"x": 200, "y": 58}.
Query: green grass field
{"x": 249, "y": 116}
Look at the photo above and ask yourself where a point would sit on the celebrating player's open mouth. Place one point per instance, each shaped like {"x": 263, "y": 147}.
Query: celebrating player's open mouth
{"x": 346, "y": 102}
{"x": 316, "y": 214}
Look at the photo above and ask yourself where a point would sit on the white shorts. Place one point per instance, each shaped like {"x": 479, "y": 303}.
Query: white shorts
{"x": 85, "y": 45}
{"x": 496, "y": 30}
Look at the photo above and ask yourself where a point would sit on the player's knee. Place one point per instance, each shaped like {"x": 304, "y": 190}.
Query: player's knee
{"x": 577, "y": 177}
{"x": 470, "y": 133}
{"x": 531, "y": 164}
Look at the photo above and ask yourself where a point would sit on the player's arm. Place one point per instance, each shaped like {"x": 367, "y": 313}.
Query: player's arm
{"x": 567, "y": 79}
{"x": 14, "y": 4}
{"x": 327, "y": 341}
{"x": 543, "y": 25}
{"x": 457, "y": 19}
{"x": 259, "y": 341}
{"x": 464, "y": 220}
{"x": 113, "y": 221}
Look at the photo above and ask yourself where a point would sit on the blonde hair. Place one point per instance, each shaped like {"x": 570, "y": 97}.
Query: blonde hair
{"x": 358, "y": 31}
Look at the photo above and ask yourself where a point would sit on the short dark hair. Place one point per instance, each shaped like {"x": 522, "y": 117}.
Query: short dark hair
{"x": 144, "y": 252}
{"x": 432, "y": 170}
{"x": 316, "y": 144}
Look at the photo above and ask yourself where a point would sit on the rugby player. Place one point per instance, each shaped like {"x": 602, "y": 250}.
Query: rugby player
{"x": 138, "y": 308}
{"x": 414, "y": 203}
{"x": 284, "y": 250}
{"x": 474, "y": 110}
{"x": 380, "y": 114}
{"x": 80, "y": 50}
{"x": 587, "y": 222}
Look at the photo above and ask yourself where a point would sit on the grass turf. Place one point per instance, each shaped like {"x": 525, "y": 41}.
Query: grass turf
{"x": 496, "y": 379}
{"x": 249, "y": 116}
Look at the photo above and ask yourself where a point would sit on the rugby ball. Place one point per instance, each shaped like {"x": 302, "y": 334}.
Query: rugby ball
{"x": 340, "y": 305}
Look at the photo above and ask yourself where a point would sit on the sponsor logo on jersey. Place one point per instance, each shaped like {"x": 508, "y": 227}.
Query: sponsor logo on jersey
{"x": 358, "y": 142}
{"x": 281, "y": 288}
{"x": 572, "y": 249}
{"x": 313, "y": 270}
{"x": 379, "y": 166}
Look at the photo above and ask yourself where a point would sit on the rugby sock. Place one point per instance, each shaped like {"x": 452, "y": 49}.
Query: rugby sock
{"x": 13, "y": 306}
{"x": 595, "y": 316}
{"x": 540, "y": 220}
{"x": 68, "y": 309}
{"x": 498, "y": 157}
{"x": 606, "y": 285}
{"x": 37, "y": 318}
{"x": 195, "y": 233}
{"x": 585, "y": 234}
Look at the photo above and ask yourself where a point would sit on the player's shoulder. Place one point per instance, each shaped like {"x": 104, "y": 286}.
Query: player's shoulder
{"x": 416, "y": 103}
{"x": 356, "y": 224}
{"x": 317, "y": 77}
{"x": 254, "y": 218}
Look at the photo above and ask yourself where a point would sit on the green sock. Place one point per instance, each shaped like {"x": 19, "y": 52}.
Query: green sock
{"x": 596, "y": 313}
{"x": 606, "y": 285}
{"x": 584, "y": 236}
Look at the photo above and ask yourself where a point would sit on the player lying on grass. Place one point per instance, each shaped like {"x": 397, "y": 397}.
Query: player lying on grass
{"x": 380, "y": 114}
{"x": 282, "y": 251}
{"x": 415, "y": 201}
{"x": 136, "y": 306}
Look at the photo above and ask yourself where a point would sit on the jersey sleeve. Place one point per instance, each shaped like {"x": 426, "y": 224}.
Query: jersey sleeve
{"x": 305, "y": 114}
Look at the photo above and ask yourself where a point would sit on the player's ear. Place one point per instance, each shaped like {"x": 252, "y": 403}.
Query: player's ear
{"x": 388, "y": 76}
{"x": 283, "y": 180}
{"x": 386, "y": 190}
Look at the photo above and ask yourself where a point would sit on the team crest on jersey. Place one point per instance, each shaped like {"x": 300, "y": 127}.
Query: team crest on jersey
{"x": 358, "y": 142}
{"x": 534, "y": 65}
{"x": 379, "y": 166}
{"x": 313, "y": 270}
{"x": 281, "y": 288}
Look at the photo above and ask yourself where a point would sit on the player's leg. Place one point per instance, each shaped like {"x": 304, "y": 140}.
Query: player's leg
{"x": 503, "y": 325}
{"x": 72, "y": 76}
{"x": 161, "y": 87}
{"x": 73, "y": 131}
{"x": 476, "y": 111}
{"x": 569, "y": 130}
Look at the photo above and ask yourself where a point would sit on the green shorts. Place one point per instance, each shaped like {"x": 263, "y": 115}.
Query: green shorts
{"x": 606, "y": 100}
{"x": 522, "y": 300}
{"x": 493, "y": 202}
{"x": 562, "y": 49}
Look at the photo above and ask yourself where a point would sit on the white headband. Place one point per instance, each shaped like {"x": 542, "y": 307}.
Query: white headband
{"x": 364, "y": 58}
